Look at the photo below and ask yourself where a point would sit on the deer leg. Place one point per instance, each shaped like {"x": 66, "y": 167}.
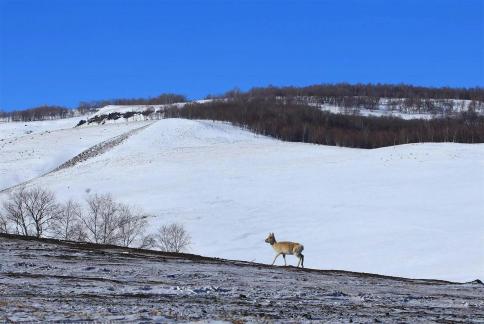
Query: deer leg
{"x": 275, "y": 258}
{"x": 300, "y": 261}
{"x": 284, "y": 256}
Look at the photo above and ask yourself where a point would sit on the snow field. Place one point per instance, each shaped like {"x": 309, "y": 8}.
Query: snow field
{"x": 10, "y": 130}
{"x": 412, "y": 210}
{"x": 27, "y": 156}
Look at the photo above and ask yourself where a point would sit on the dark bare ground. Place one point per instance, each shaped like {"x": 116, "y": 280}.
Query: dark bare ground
{"x": 49, "y": 280}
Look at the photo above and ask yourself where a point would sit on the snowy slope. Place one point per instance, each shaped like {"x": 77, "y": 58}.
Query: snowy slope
{"x": 412, "y": 210}
{"x": 10, "y": 130}
{"x": 24, "y": 157}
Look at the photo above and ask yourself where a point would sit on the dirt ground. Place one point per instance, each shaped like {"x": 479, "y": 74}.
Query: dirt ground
{"x": 49, "y": 280}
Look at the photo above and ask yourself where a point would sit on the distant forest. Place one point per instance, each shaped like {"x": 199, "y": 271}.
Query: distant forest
{"x": 163, "y": 99}
{"x": 351, "y": 98}
{"x": 341, "y": 90}
{"x": 295, "y": 122}
{"x": 354, "y": 97}
{"x": 37, "y": 113}
{"x": 47, "y": 112}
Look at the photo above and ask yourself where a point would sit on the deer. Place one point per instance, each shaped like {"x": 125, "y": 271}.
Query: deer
{"x": 289, "y": 248}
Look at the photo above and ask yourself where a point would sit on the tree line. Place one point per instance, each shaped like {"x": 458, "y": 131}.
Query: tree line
{"x": 162, "y": 99}
{"x": 295, "y": 122}
{"x": 37, "y": 212}
{"x": 44, "y": 112}
{"x": 353, "y": 97}
{"x": 49, "y": 112}
{"x": 341, "y": 90}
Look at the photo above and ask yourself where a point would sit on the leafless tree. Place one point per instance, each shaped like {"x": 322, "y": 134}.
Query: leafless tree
{"x": 66, "y": 225}
{"x": 132, "y": 223}
{"x": 31, "y": 211}
{"x": 173, "y": 238}
{"x": 42, "y": 208}
{"x": 15, "y": 212}
{"x": 109, "y": 222}
{"x": 3, "y": 224}
{"x": 101, "y": 220}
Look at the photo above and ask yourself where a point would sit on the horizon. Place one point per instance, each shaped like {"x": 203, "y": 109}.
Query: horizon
{"x": 62, "y": 53}
{"x": 238, "y": 89}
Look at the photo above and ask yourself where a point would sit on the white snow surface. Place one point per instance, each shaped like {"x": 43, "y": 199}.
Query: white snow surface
{"x": 412, "y": 210}
{"x": 17, "y": 129}
{"x": 27, "y": 156}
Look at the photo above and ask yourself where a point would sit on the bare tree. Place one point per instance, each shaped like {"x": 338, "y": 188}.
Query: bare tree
{"x": 101, "y": 220}
{"x": 109, "y": 222}
{"x": 15, "y": 212}
{"x": 132, "y": 223}
{"x": 31, "y": 211}
{"x": 42, "y": 208}
{"x": 3, "y": 224}
{"x": 66, "y": 225}
{"x": 173, "y": 238}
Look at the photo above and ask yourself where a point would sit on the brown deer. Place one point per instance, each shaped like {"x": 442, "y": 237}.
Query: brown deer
{"x": 290, "y": 248}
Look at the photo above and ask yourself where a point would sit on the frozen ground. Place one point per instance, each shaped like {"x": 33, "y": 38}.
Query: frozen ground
{"x": 56, "y": 281}
{"x": 412, "y": 210}
{"x": 26, "y": 156}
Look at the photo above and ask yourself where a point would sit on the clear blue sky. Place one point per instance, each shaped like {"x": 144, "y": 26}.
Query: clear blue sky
{"x": 65, "y": 51}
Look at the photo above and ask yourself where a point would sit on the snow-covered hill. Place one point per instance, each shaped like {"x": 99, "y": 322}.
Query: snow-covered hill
{"x": 127, "y": 113}
{"x": 9, "y": 130}
{"x": 412, "y": 210}
{"x": 26, "y": 156}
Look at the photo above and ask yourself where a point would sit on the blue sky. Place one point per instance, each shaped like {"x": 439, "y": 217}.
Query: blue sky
{"x": 62, "y": 52}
